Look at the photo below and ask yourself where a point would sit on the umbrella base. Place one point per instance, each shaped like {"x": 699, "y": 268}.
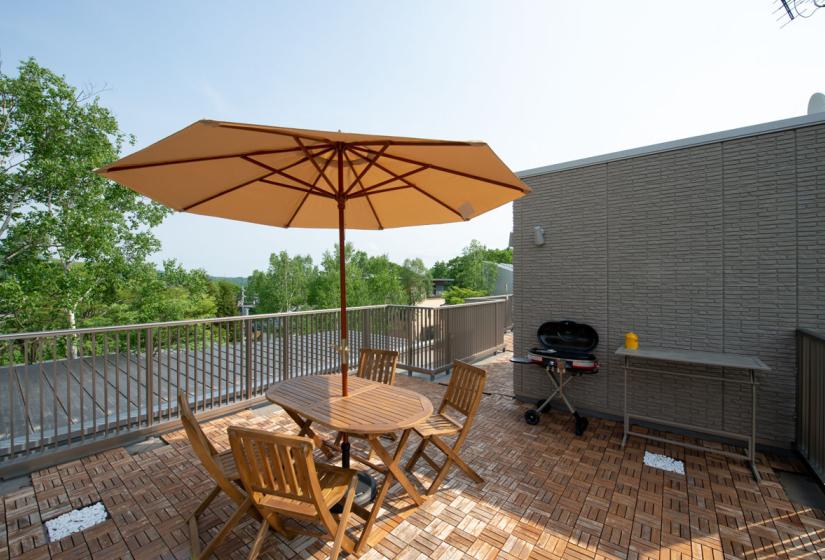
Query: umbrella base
{"x": 365, "y": 492}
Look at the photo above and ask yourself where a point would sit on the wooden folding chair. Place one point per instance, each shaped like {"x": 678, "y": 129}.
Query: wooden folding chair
{"x": 221, "y": 467}
{"x": 282, "y": 479}
{"x": 463, "y": 395}
{"x": 375, "y": 365}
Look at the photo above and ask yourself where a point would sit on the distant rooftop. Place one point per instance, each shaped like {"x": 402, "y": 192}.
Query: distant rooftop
{"x": 744, "y": 132}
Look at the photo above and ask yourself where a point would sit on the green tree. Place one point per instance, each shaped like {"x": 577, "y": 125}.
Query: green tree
{"x": 68, "y": 237}
{"x": 325, "y": 289}
{"x": 455, "y": 294}
{"x": 384, "y": 283}
{"x": 226, "y": 295}
{"x": 416, "y": 280}
{"x": 149, "y": 295}
{"x": 474, "y": 268}
{"x": 285, "y": 285}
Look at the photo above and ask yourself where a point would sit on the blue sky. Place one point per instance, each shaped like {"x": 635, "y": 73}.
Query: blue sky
{"x": 541, "y": 82}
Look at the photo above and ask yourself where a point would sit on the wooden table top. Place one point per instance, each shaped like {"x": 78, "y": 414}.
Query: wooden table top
{"x": 370, "y": 408}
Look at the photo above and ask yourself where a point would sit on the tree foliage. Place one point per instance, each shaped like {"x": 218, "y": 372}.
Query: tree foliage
{"x": 474, "y": 268}
{"x": 456, "y": 294}
{"x": 416, "y": 280}
{"x": 68, "y": 237}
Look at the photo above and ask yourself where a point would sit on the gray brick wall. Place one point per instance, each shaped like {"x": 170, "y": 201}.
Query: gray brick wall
{"x": 718, "y": 247}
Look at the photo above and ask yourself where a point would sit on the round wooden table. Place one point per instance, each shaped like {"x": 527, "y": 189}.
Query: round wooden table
{"x": 371, "y": 409}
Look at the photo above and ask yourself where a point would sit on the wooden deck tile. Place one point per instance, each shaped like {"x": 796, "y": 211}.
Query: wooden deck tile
{"x": 548, "y": 495}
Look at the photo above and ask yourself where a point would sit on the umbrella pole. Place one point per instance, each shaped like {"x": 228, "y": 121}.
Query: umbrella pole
{"x": 342, "y": 270}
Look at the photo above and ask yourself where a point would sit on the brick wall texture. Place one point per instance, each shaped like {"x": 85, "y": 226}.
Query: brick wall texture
{"x": 717, "y": 247}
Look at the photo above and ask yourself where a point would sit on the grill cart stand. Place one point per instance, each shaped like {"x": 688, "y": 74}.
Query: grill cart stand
{"x": 751, "y": 364}
{"x": 556, "y": 372}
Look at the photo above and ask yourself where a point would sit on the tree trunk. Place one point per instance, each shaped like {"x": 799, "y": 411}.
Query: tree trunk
{"x": 71, "y": 342}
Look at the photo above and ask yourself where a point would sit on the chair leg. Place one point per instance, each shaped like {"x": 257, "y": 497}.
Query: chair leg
{"x": 418, "y": 451}
{"x": 275, "y": 522}
{"x": 439, "y": 478}
{"x": 259, "y": 541}
{"x": 452, "y": 457}
{"x": 459, "y": 462}
{"x": 342, "y": 521}
{"x": 194, "y": 537}
{"x": 208, "y": 500}
{"x": 230, "y": 524}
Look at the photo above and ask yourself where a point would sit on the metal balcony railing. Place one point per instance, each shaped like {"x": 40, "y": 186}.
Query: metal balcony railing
{"x": 64, "y": 394}
{"x": 810, "y": 399}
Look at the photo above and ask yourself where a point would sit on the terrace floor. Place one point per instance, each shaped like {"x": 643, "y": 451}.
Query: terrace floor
{"x": 548, "y": 494}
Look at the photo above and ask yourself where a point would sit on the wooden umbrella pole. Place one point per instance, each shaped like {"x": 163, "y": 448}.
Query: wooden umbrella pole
{"x": 342, "y": 270}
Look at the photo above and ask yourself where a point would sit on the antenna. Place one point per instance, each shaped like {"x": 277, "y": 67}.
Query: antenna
{"x": 789, "y": 10}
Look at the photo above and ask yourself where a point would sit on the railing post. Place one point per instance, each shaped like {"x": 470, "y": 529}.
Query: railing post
{"x": 284, "y": 347}
{"x": 150, "y": 399}
{"x": 365, "y": 329}
{"x": 248, "y": 358}
{"x": 410, "y": 313}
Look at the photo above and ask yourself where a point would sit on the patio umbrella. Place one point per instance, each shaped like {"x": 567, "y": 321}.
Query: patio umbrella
{"x": 289, "y": 177}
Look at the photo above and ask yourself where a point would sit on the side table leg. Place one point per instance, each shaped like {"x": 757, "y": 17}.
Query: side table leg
{"x": 626, "y": 415}
{"x": 752, "y": 446}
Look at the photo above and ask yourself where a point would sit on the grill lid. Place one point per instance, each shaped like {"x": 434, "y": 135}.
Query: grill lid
{"x": 568, "y": 336}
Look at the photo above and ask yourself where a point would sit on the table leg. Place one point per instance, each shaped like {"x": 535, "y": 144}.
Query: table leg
{"x": 626, "y": 414}
{"x": 304, "y": 425}
{"x": 752, "y": 444}
{"x": 393, "y": 473}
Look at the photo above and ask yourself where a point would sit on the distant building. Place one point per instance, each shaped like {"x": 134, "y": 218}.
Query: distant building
{"x": 504, "y": 279}
{"x": 441, "y": 284}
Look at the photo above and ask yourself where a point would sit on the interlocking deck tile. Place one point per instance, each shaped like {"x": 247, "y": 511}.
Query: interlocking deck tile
{"x": 548, "y": 495}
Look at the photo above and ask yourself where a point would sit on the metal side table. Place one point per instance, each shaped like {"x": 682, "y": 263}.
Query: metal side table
{"x": 751, "y": 364}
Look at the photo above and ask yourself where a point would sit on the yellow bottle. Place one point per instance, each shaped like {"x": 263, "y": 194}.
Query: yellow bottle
{"x": 631, "y": 341}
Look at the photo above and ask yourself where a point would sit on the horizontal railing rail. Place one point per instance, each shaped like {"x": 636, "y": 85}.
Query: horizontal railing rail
{"x": 508, "y": 310}
{"x": 810, "y": 399}
{"x": 69, "y": 392}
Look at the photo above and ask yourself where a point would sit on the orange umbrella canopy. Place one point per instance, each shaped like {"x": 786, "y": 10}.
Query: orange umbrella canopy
{"x": 289, "y": 177}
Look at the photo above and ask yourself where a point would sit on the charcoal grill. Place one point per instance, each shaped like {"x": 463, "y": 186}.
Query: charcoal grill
{"x": 565, "y": 353}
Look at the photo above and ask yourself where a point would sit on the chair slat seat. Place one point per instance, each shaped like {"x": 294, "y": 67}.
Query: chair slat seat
{"x": 463, "y": 396}
{"x": 333, "y": 481}
{"x": 439, "y": 425}
{"x": 282, "y": 479}
{"x": 375, "y": 365}
{"x": 226, "y": 462}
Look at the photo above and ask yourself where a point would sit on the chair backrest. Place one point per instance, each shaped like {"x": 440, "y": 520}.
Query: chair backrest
{"x": 465, "y": 389}
{"x": 204, "y": 449}
{"x": 275, "y": 464}
{"x": 377, "y": 365}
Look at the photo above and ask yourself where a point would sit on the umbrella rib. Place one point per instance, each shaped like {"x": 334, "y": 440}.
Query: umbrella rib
{"x": 358, "y": 181}
{"x": 447, "y": 170}
{"x": 414, "y": 143}
{"x": 278, "y": 132}
{"x": 315, "y": 164}
{"x": 303, "y": 200}
{"x": 372, "y": 192}
{"x": 419, "y": 189}
{"x": 271, "y": 171}
{"x": 360, "y": 176}
{"x": 227, "y": 191}
{"x": 372, "y": 188}
{"x": 294, "y": 188}
{"x": 287, "y": 175}
{"x": 197, "y": 159}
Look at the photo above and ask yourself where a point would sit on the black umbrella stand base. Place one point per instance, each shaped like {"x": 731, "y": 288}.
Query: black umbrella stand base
{"x": 365, "y": 492}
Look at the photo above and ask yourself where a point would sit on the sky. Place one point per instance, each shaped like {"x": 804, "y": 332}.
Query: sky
{"x": 540, "y": 82}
